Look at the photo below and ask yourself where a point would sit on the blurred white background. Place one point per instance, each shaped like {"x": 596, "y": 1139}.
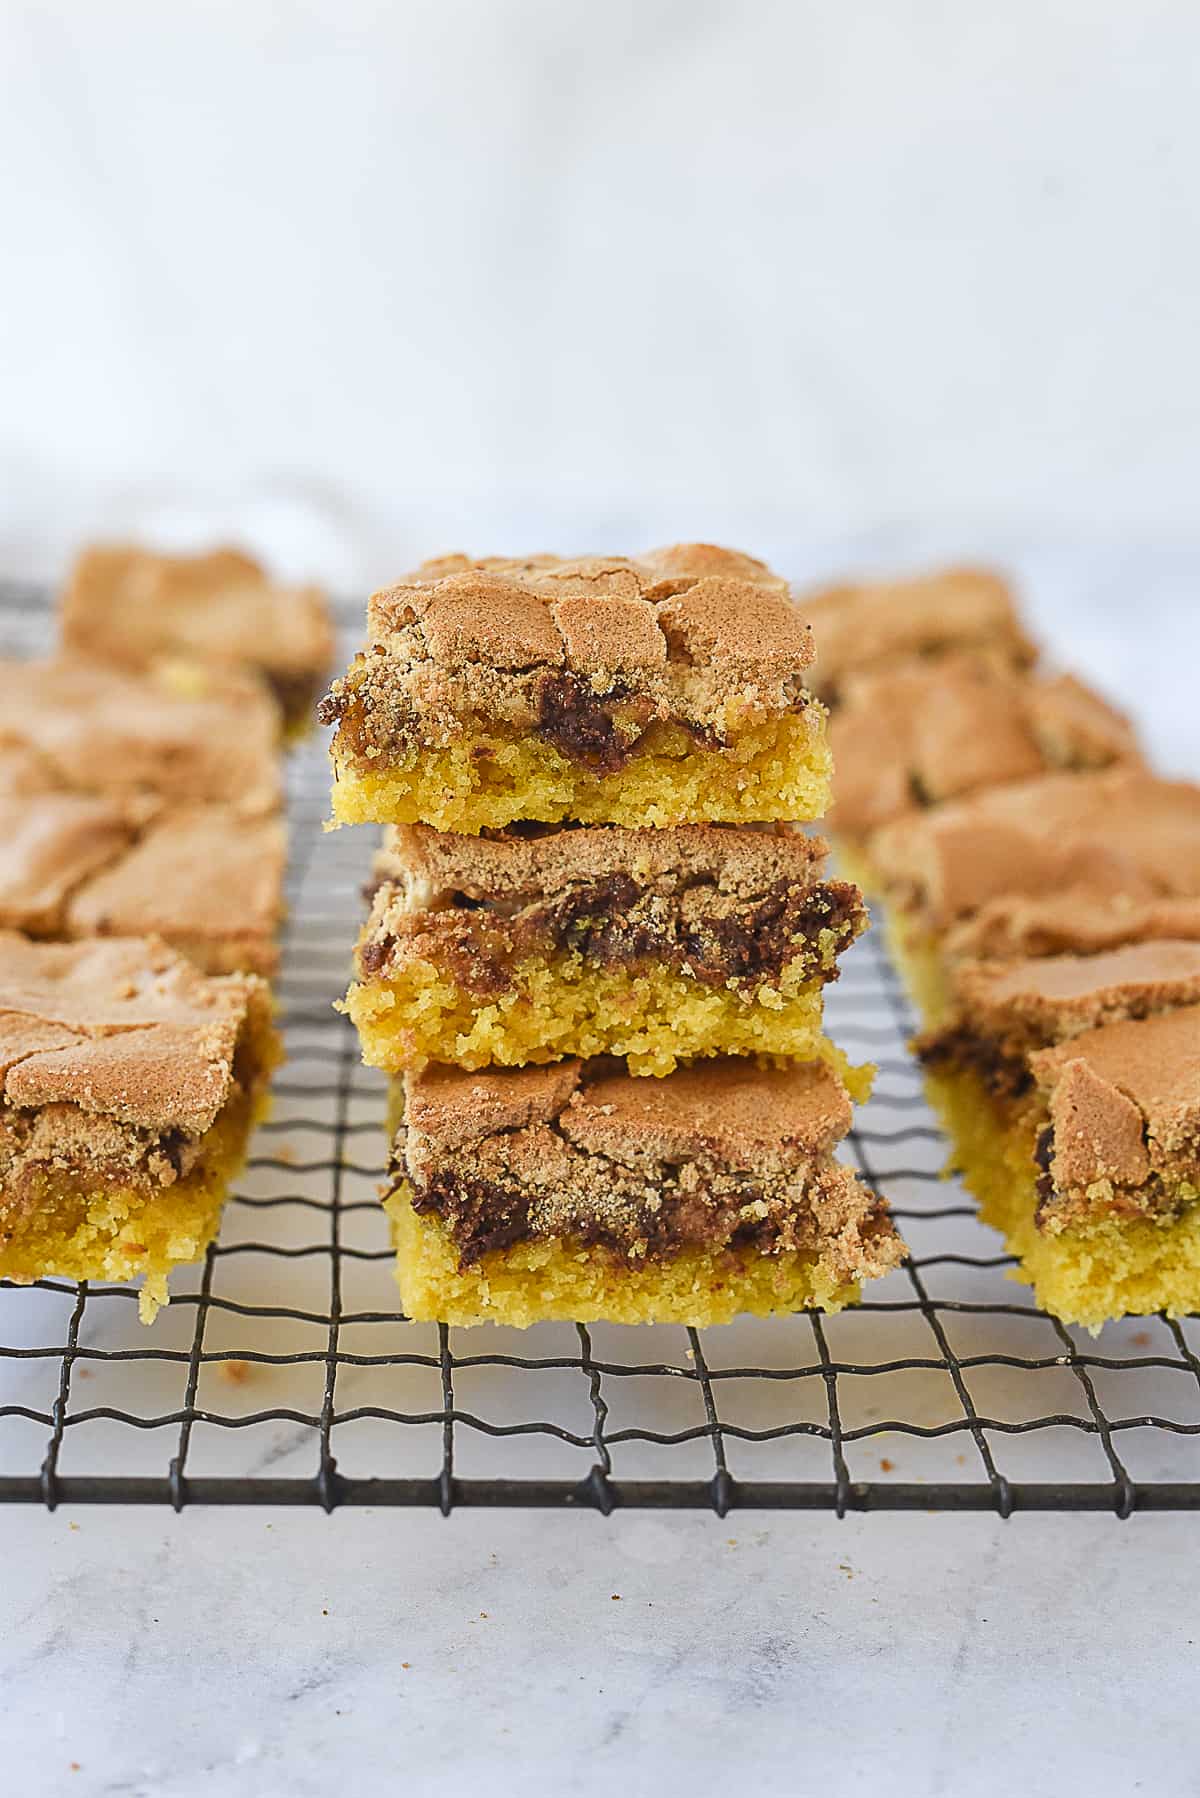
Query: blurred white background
{"x": 357, "y": 282}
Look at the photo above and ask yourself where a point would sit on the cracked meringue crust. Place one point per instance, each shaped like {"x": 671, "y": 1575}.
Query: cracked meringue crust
{"x": 184, "y": 615}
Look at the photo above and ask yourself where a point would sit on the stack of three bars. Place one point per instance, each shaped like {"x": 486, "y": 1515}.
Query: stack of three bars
{"x": 590, "y": 772}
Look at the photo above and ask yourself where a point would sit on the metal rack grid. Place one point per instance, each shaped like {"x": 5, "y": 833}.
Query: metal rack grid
{"x": 283, "y": 1371}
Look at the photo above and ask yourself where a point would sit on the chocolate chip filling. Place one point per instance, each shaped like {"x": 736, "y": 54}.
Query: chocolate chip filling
{"x": 581, "y": 723}
{"x": 147, "y": 1161}
{"x": 1043, "y": 1155}
{"x": 485, "y": 1215}
{"x": 613, "y": 923}
{"x": 1004, "y": 1076}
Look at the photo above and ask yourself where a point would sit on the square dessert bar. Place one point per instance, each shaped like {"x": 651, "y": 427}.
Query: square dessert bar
{"x": 581, "y": 1193}
{"x": 666, "y": 689}
{"x": 202, "y": 877}
{"x": 1070, "y": 1088}
{"x": 143, "y": 611}
{"x": 87, "y": 729}
{"x": 875, "y": 624}
{"x": 926, "y": 732}
{"x": 655, "y": 945}
{"x": 130, "y": 1085}
{"x": 1066, "y": 862}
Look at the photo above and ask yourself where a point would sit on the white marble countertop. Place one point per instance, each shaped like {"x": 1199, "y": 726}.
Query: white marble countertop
{"x": 287, "y": 1655}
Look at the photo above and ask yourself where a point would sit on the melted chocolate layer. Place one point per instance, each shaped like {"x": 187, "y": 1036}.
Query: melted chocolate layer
{"x": 482, "y": 1215}
{"x": 615, "y": 923}
{"x": 580, "y": 722}
{"x": 1005, "y": 1076}
{"x": 1043, "y": 1155}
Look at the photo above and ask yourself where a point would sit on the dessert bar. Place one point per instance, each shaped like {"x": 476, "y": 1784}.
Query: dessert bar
{"x": 131, "y": 1083}
{"x": 656, "y": 945}
{"x": 203, "y": 877}
{"x": 143, "y": 611}
{"x": 1070, "y": 1088}
{"x": 579, "y": 1192}
{"x": 923, "y": 733}
{"x": 206, "y": 880}
{"x": 1067, "y": 861}
{"x": 83, "y": 728}
{"x": 664, "y": 690}
{"x": 876, "y": 624}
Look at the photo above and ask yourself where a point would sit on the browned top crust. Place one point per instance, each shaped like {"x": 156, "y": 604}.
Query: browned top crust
{"x": 686, "y": 632}
{"x": 1124, "y": 1102}
{"x": 1076, "y": 727}
{"x": 95, "y": 730}
{"x": 135, "y": 608}
{"x": 1121, "y": 835}
{"x": 50, "y": 843}
{"x": 597, "y": 614}
{"x": 450, "y": 1107}
{"x": 731, "y": 1112}
{"x": 1075, "y": 920}
{"x": 880, "y": 623}
{"x": 23, "y": 772}
{"x": 760, "y": 1119}
{"x": 124, "y": 1030}
{"x": 206, "y": 880}
{"x": 1053, "y": 998}
{"x": 517, "y": 864}
{"x": 927, "y": 732}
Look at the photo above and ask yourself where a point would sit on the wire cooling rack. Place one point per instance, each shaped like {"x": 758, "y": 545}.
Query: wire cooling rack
{"x": 283, "y": 1371}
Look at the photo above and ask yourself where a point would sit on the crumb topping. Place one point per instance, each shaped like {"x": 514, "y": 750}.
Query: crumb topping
{"x": 1124, "y": 1108}
{"x": 1001, "y": 1013}
{"x": 527, "y": 864}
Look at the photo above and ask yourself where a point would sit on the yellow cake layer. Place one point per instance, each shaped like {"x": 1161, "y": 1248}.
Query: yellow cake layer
{"x": 538, "y": 1282}
{"x": 71, "y": 1231}
{"x": 918, "y": 961}
{"x": 564, "y": 1006}
{"x": 914, "y": 951}
{"x": 854, "y": 864}
{"x": 779, "y": 769}
{"x": 1085, "y": 1274}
